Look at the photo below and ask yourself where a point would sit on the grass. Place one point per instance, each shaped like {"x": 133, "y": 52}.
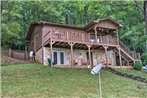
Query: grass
{"x": 141, "y": 73}
{"x": 38, "y": 81}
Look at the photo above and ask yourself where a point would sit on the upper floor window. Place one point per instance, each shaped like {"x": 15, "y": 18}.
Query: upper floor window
{"x": 92, "y": 37}
{"x": 58, "y": 33}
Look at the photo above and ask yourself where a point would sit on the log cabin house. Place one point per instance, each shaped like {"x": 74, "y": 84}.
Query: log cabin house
{"x": 71, "y": 46}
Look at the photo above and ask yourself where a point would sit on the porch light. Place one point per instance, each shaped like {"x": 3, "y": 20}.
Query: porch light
{"x": 102, "y": 29}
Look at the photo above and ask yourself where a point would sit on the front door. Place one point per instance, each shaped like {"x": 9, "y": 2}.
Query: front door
{"x": 58, "y": 57}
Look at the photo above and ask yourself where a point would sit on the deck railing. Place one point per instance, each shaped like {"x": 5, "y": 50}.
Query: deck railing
{"x": 81, "y": 37}
{"x": 134, "y": 55}
{"x": 85, "y": 37}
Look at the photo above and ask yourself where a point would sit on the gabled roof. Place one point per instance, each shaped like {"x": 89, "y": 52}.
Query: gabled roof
{"x": 92, "y": 23}
{"x": 101, "y": 20}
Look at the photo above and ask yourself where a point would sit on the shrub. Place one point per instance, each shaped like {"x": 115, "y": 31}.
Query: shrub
{"x": 137, "y": 66}
{"x": 144, "y": 58}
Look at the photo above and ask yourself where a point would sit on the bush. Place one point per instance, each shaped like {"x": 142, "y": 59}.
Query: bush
{"x": 144, "y": 58}
{"x": 137, "y": 66}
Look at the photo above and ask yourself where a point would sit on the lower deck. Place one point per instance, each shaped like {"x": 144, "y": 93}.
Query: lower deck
{"x": 61, "y": 57}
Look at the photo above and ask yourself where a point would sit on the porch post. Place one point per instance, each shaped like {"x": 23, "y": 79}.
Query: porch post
{"x": 106, "y": 55}
{"x": 95, "y": 33}
{"x": 117, "y": 38}
{"x": 89, "y": 54}
{"x": 71, "y": 55}
{"x": 120, "y": 60}
{"x": 51, "y": 52}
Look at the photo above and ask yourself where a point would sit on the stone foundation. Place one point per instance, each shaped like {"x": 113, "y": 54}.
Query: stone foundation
{"x": 80, "y": 57}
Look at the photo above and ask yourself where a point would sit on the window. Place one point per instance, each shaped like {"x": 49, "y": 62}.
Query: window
{"x": 92, "y": 37}
{"x": 62, "y": 57}
{"x": 55, "y": 58}
{"x": 58, "y": 33}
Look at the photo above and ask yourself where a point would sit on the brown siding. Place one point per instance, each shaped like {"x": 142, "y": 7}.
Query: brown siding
{"x": 51, "y": 29}
{"x": 35, "y": 39}
{"x": 107, "y": 24}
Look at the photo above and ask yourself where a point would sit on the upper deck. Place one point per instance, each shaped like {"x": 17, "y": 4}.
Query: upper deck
{"x": 99, "y": 33}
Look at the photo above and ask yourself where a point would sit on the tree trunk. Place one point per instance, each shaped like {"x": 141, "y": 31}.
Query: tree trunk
{"x": 86, "y": 13}
{"x": 145, "y": 18}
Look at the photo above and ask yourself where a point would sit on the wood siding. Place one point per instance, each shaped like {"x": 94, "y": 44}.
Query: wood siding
{"x": 35, "y": 39}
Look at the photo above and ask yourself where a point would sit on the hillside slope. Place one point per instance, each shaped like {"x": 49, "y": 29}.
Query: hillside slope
{"x": 37, "y": 81}
{"x": 6, "y": 60}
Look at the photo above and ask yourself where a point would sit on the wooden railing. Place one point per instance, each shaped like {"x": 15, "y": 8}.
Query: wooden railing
{"x": 125, "y": 48}
{"x": 46, "y": 37}
{"x": 135, "y": 56}
{"x": 85, "y": 38}
{"x": 108, "y": 40}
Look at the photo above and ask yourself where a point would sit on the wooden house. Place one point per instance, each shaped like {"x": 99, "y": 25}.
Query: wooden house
{"x": 75, "y": 46}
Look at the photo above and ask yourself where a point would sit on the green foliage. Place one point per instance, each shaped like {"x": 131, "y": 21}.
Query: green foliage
{"x": 137, "y": 66}
{"x": 18, "y": 15}
{"x": 144, "y": 57}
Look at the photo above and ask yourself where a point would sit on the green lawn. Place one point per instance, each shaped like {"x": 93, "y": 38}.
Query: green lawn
{"x": 141, "y": 73}
{"x": 38, "y": 81}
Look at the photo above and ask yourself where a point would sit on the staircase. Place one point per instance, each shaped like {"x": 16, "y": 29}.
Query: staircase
{"x": 127, "y": 54}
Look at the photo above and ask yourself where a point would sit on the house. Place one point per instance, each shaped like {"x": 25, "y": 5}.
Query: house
{"x": 79, "y": 46}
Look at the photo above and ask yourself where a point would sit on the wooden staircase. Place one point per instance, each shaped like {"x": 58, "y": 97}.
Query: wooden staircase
{"x": 127, "y": 55}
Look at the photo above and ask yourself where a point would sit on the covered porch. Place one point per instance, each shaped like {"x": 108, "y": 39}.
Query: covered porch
{"x": 71, "y": 54}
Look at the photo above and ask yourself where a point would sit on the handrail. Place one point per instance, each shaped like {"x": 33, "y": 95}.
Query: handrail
{"x": 125, "y": 48}
{"x": 135, "y": 56}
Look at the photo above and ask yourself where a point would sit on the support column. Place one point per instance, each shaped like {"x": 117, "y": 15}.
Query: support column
{"x": 71, "y": 54}
{"x": 117, "y": 38}
{"x": 128, "y": 63}
{"x": 106, "y": 54}
{"x": 51, "y": 52}
{"x": 120, "y": 59}
{"x": 89, "y": 54}
{"x": 95, "y": 33}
